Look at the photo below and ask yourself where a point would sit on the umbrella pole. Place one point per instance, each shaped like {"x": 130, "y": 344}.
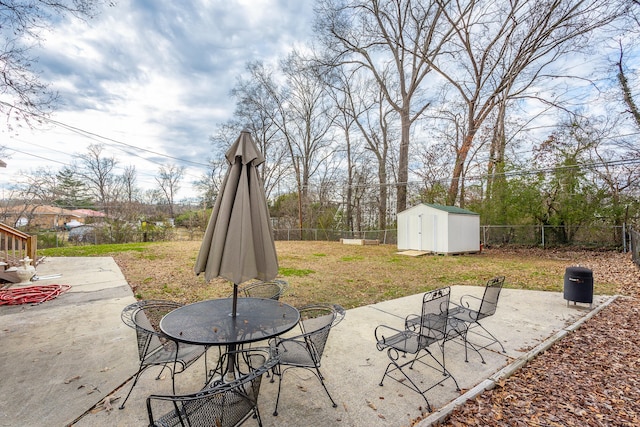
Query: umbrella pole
{"x": 234, "y": 310}
{"x": 230, "y": 374}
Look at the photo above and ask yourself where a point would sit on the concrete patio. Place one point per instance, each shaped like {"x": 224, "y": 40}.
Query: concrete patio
{"x": 63, "y": 359}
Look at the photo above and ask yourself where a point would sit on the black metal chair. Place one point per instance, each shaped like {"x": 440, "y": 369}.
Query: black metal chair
{"x": 467, "y": 318}
{"x": 272, "y": 289}
{"x": 305, "y": 350}
{"x": 220, "y": 403}
{"x": 155, "y": 348}
{"x": 419, "y": 334}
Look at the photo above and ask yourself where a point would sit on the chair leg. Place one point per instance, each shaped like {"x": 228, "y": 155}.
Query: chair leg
{"x": 135, "y": 381}
{"x": 394, "y": 356}
{"x": 445, "y": 373}
{"x": 162, "y": 370}
{"x": 256, "y": 416}
{"x": 492, "y": 337}
{"x": 279, "y": 373}
{"x": 321, "y": 378}
{"x": 470, "y": 344}
{"x": 413, "y": 385}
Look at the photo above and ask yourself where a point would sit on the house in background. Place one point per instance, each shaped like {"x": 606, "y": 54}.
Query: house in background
{"x": 40, "y": 216}
{"x": 439, "y": 229}
{"x": 90, "y": 215}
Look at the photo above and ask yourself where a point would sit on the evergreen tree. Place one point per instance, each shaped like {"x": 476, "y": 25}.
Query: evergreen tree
{"x": 71, "y": 192}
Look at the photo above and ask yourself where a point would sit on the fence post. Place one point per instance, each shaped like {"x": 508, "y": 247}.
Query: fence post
{"x": 624, "y": 237}
{"x": 542, "y": 228}
{"x": 484, "y": 236}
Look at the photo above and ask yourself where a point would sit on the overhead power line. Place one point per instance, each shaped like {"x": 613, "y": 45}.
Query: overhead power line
{"x": 96, "y": 137}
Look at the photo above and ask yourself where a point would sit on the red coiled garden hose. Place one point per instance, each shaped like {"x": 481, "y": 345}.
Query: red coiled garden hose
{"x": 31, "y": 294}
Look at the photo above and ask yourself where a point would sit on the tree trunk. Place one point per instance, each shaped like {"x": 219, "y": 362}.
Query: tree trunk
{"x": 403, "y": 161}
{"x": 461, "y": 157}
{"x": 382, "y": 204}
{"x": 496, "y": 181}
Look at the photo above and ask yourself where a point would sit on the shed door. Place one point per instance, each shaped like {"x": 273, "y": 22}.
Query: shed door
{"x": 414, "y": 232}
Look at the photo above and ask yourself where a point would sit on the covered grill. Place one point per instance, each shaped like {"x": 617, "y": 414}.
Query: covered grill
{"x": 578, "y": 285}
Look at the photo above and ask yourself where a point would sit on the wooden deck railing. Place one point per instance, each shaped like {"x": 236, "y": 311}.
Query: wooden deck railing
{"x": 15, "y": 245}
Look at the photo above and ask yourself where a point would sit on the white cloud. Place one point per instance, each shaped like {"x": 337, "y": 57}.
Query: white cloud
{"x": 154, "y": 75}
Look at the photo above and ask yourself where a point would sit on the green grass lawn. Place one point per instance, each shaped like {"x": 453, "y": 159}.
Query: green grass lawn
{"x": 346, "y": 274}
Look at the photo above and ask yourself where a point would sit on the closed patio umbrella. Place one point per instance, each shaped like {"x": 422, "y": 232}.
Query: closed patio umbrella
{"x": 238, "y": 242}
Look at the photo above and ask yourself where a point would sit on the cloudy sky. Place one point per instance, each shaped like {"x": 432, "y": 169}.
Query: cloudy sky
{"x": 151, "y": 79}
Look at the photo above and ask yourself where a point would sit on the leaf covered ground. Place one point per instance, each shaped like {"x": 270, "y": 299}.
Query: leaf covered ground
{"x": 589, "y": 378}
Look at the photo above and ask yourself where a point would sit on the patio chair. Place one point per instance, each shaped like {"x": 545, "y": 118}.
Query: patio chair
{"x": 468, "y": 318}
{"x": 305, "y": 350}
{"x": 419, "y": 334}
{"x": 220, "y": 403}
{"x": 155, "y": 348}
{"x": 272, "y": 289}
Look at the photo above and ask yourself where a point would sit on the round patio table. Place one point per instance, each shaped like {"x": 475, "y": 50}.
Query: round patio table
{"x": 210, "y": 323}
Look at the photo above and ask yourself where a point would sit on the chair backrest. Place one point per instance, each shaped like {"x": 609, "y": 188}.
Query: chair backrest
{"x": 316, "y": 321}
{"x": 490, "y": 298}
{"x": 220, "y": 404}
{"x": 435, "y": 311}
{"x": 272, "y": 289}
{"x": 144, "y": 317}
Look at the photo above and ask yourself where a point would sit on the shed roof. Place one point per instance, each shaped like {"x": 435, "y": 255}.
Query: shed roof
{"x": 451, "y": 209}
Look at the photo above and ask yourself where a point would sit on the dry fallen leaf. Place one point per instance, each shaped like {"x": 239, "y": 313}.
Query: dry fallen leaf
{"x": 105, "y": 404}
{"x": 72, "y": 379}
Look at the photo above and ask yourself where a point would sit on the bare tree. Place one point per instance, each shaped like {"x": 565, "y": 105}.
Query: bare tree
{"x": 306, "y": 119}
{"x": 99, "y": 172}
{"x": 501, "y": 49}
{"x": 373, "y": 117}
{"x": 209, "y": 183}
{"x": 627, "y": 94}
{"x": 168, "y": 180}
{"x": 33, "y": 188}
{"x": 345, "y": 121}
{"x": 255, "y": 112}
{"x": 130, "y": 189}
{"x": 301, "y": 111}
{"x": 39, "y": 185}
{"x": 395, "y": 41}
{"x": 24, "y": 95}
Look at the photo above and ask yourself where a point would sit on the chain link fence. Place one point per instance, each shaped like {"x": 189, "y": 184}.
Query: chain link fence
{"x": 389, "y": 236}
{"x": 596, "y": 237}
{"x": 606, "y": 237}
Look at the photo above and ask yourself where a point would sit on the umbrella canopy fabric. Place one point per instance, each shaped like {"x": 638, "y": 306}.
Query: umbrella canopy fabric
{"x": 238, "y": 242}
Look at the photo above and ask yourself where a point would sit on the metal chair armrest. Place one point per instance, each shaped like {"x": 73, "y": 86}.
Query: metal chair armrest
{"x": 412, "y": 322}
{"x": 384, "y": 332}
{"x": 466, "y": 300}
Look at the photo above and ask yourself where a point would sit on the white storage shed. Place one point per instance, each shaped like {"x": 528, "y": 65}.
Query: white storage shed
{"x": 439, "y": 229}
